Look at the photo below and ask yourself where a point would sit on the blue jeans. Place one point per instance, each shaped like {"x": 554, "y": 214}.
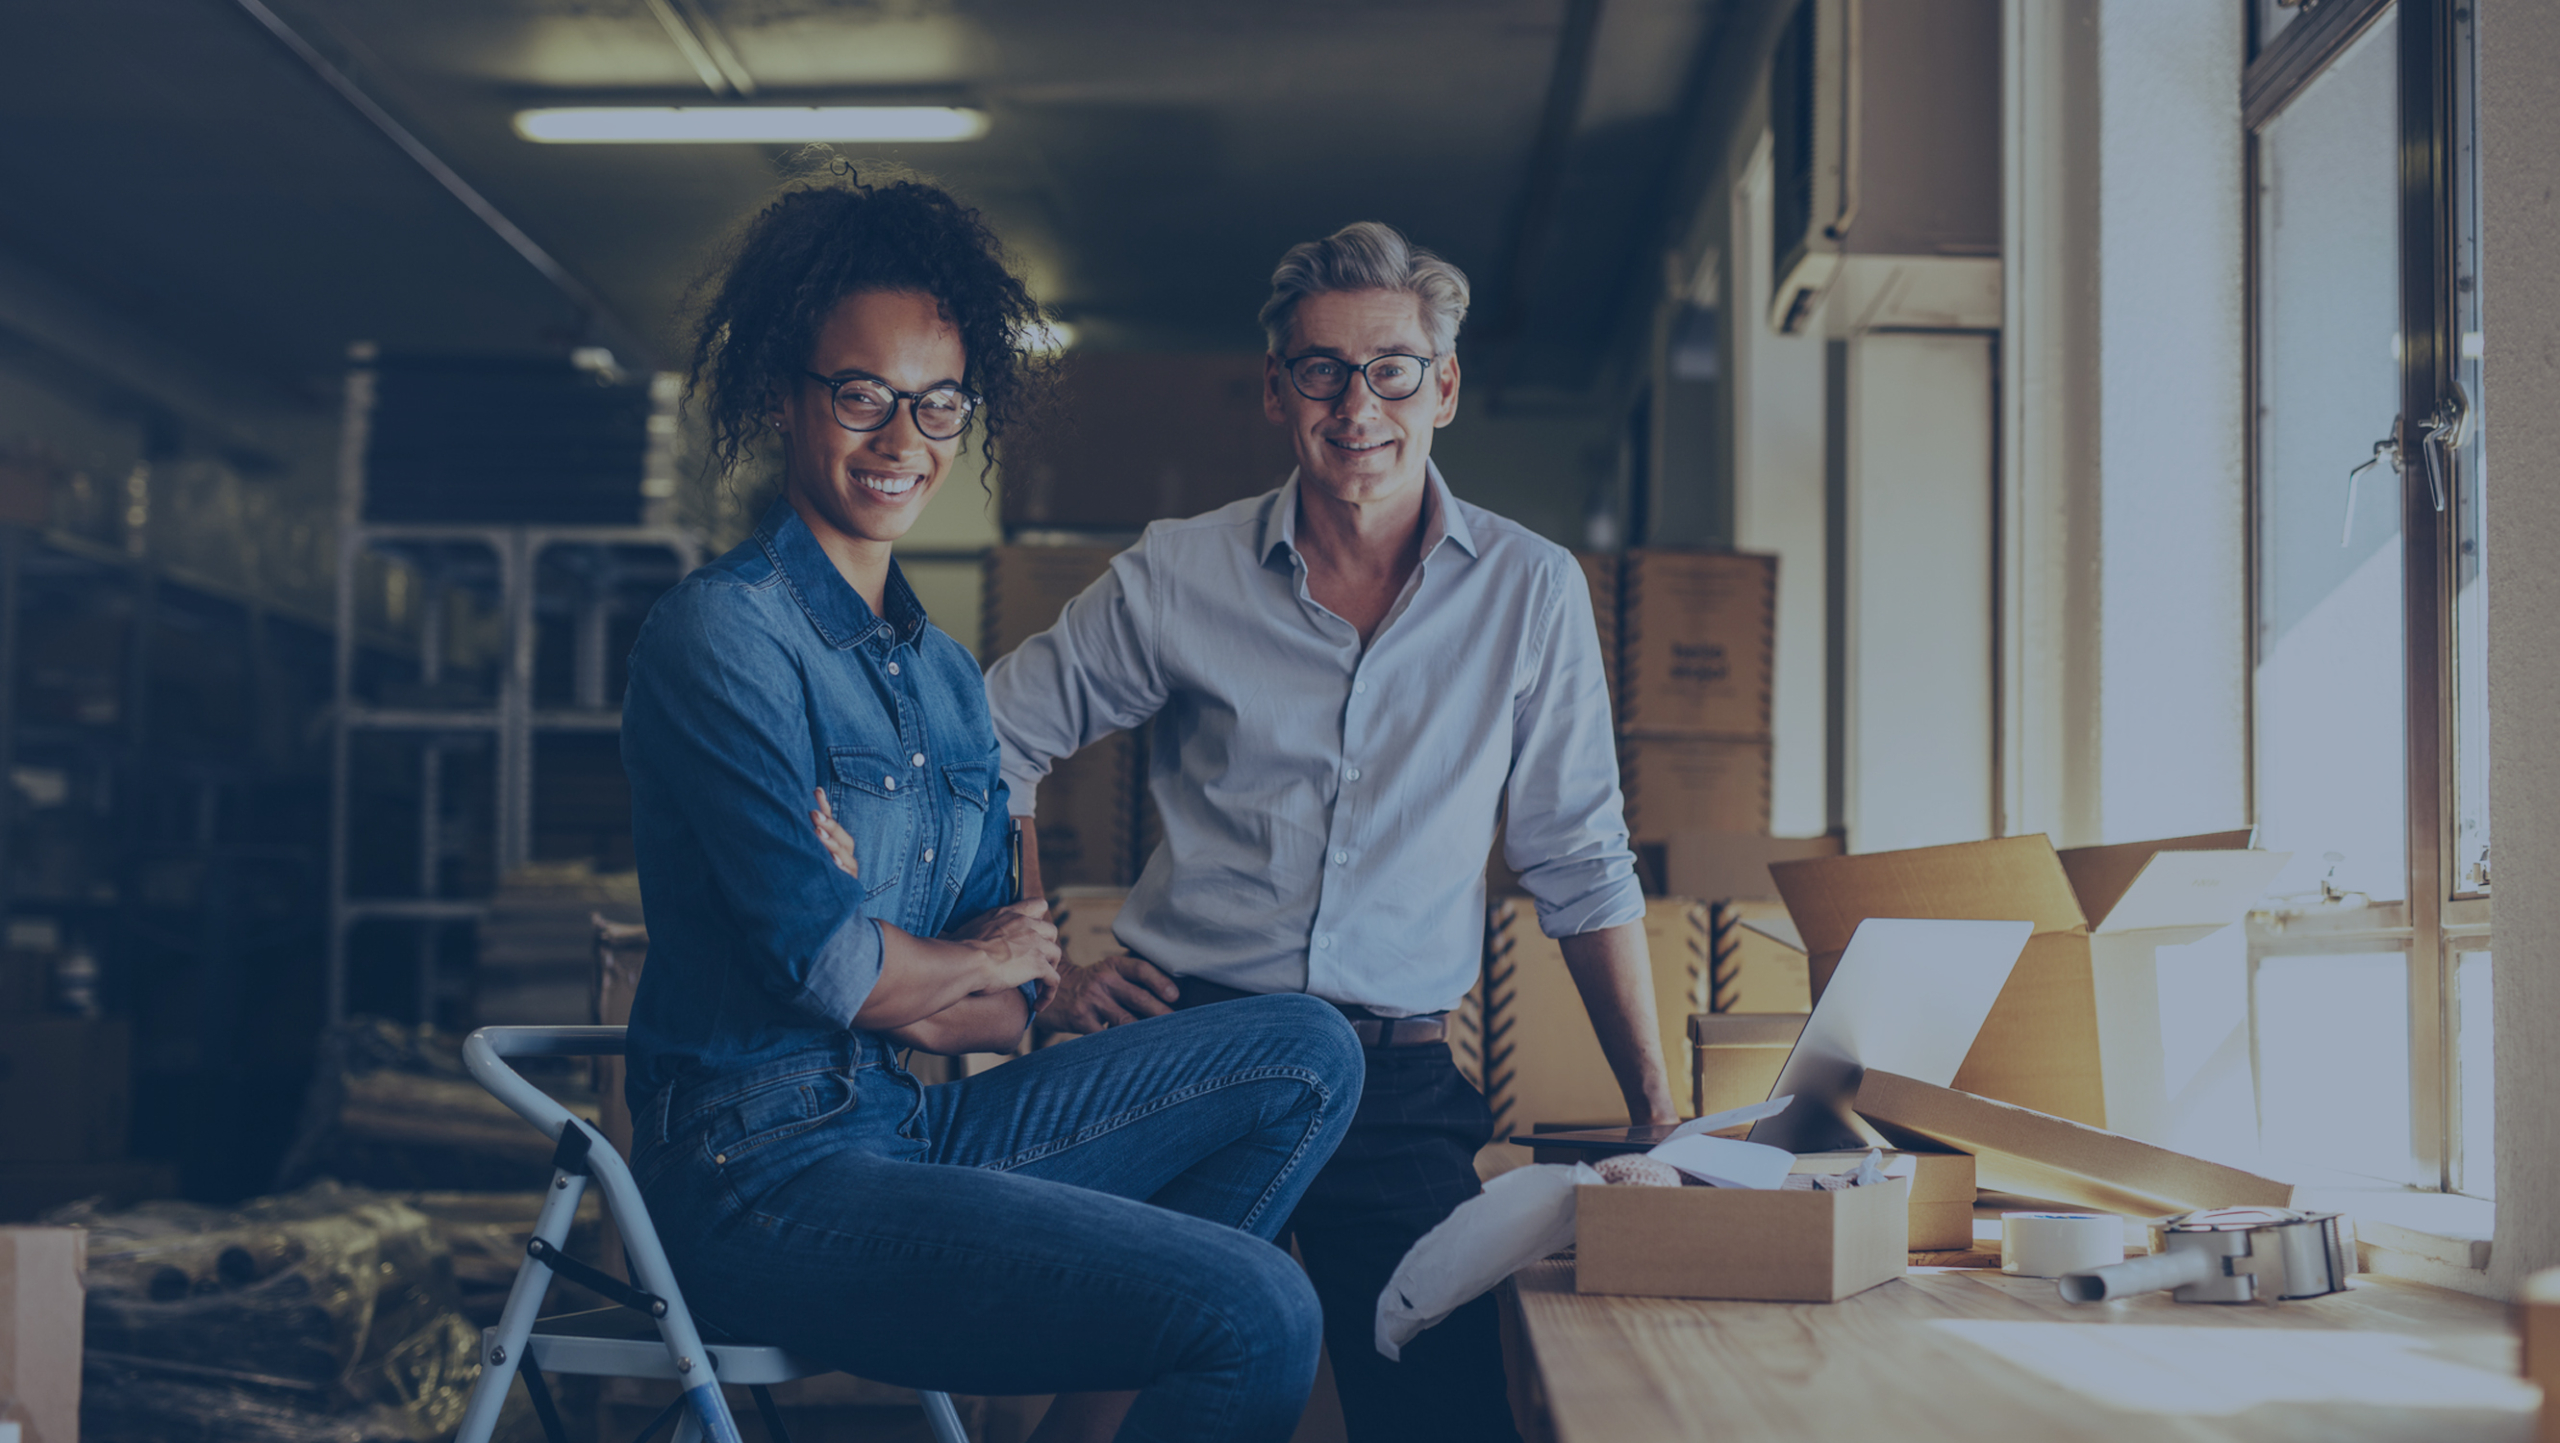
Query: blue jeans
{"x": 1093, "y": 1216}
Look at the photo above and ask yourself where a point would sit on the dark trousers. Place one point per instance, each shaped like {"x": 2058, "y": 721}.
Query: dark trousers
{"x": 1408, "y": 1159}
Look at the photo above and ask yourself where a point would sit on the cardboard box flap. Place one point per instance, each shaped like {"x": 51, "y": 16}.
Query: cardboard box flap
{"x": 1733, "y": 866}
{"x": 2033, "y": 1154}
{"x": 2101, "y": 876}
{"x": 1781, "y": 930}
{"x": 2190, "y": 894}
{"x": 2011, "y": 878}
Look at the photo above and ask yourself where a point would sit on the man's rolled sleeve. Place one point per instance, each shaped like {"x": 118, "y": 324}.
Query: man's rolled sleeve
{"x": 714, "y": 733}
{"x": 1087, "y": 676}
{"x": 1566, "y": 829}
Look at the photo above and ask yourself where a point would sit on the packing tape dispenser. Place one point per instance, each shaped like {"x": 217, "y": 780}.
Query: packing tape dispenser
{"x": 2230, "y": 1255}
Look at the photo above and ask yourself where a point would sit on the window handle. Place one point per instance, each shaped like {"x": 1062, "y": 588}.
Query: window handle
{"x": 2447, "y": 426}
{"x": 2386, "y": 449}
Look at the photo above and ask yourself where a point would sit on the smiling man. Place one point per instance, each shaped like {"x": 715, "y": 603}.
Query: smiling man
{"x": 1351, "y": 676}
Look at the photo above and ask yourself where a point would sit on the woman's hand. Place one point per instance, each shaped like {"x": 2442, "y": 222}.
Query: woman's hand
{"x": 1018, "y": 942}
{"x": 837, "y": 841}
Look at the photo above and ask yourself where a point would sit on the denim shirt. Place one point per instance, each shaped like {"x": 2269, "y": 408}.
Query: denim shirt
{"x": 759, "y": 678}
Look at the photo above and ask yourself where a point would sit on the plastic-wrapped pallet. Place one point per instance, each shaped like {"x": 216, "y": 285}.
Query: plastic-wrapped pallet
{"x": 327, "y": 1314}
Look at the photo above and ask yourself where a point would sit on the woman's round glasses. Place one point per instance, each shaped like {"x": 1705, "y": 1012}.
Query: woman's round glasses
{"x": 1391, "y": 377}
{"x": 865, "y": 403}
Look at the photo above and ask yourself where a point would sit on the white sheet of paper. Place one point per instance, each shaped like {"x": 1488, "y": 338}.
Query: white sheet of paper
{"x": 1727, "y": 1162}
{"x": 1730, "y": 1117}
{"x": 1908, "y": 997}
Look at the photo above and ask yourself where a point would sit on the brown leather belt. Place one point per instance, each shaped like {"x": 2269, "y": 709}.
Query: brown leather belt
{"x": 1372, "y": 1029}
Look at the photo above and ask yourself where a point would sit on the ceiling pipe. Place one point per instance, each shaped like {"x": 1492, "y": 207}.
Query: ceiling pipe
{"x": 705, "y": 46}
{"x": 636, "y": 353}
{"x": 1567, "y": 82}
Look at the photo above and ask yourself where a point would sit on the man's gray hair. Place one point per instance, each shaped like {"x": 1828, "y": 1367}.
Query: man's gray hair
{"x": 1367, "y": 256}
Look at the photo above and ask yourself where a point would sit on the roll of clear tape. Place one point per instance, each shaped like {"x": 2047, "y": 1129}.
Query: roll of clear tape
{"x": 2047, "y": 1245}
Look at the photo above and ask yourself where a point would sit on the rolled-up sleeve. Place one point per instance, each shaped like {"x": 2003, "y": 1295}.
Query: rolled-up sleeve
{"x": 1091, "y": 674}
{"x": 716, "y": 740}
{"x": 1566, "y": 829}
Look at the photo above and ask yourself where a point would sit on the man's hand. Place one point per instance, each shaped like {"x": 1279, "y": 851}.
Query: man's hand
{"x": 1119, "y": 988}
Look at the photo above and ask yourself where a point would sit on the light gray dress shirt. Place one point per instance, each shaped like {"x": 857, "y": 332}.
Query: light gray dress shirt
{"x": 1328, "y": 810}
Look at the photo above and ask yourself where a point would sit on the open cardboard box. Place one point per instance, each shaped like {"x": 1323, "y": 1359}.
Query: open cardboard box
{"x": 1720, "y": 1242}
{"x": 2076, "y": 1032}
{"x": 2018, "y": 1150}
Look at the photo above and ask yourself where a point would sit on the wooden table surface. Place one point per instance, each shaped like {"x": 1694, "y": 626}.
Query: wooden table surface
{"x": 1984, "y": 1358}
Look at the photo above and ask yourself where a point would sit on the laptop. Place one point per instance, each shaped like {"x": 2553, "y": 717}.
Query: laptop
{"x": 1908, "y": 997}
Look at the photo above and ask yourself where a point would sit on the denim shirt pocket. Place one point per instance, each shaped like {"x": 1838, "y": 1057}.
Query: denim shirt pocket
{"x": 876, "y": 808}
{"x": 973, "y": 786}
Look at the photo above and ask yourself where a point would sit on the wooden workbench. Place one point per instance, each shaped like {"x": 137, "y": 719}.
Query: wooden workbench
{"x": 1983, "y": 1358}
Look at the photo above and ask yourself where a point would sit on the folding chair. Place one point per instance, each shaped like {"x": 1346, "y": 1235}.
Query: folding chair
{"x": 648, "y": 1334}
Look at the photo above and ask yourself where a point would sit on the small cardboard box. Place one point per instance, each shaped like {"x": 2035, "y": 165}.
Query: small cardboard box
{"x": 1687, "y": 784}
{"x": 42, "y": 1285}
{"x": 1697, "y": 637}
{"x": 1735, "y": 1057}
{"x": 2044, "y": 1046}
{"x": 2018, "y": 1150}
{"x": 1716, "y": 1242}
{"x": 66, "y": 1089}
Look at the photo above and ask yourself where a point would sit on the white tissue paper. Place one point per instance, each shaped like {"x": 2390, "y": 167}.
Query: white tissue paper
{"x": 1520, "y": 1217}
{"x": 1527, "y": 1213}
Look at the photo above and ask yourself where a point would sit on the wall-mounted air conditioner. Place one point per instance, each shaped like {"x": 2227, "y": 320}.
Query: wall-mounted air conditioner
{"x": 1884, "y": 121}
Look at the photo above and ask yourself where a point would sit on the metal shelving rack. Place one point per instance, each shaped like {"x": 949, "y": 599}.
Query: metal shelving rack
{"x": 513, "y": 720}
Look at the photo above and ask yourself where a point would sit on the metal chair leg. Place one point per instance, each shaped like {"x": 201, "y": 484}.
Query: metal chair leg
{"x": 944, "y": 1418}
{"x": 524, "y": 1303}
{"x": 774, "y": 1432}
{"x": 540, "y": 1393}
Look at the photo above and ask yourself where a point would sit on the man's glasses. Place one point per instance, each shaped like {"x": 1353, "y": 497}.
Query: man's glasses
{"x": 1324, "y": 378}
{"x": 865, "y": 403}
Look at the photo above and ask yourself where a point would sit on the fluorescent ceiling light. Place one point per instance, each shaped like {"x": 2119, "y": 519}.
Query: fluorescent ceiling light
{"x": 748, "y": 124}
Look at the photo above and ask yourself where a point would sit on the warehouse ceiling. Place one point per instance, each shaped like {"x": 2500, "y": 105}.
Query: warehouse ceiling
{"x": 181, "y": 162}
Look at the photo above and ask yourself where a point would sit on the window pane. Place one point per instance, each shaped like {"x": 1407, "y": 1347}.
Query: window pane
{"x": 2333, "y": 1063}
{"x": 2475, "y": 1077}
{"x": 2471, "y": 559}
{"x": 2329, "y": 698}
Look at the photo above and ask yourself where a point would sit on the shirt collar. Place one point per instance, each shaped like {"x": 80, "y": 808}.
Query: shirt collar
{"x": 1441, "y": 523}
{"x": 833, "y": 607}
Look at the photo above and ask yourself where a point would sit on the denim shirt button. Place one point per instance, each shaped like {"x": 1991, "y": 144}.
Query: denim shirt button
{"x": 928, "y": 854}
{"x": 720, "y": 1158}
{"x": 893, "y": 668}
{"x": 917, "y": 760}
{"x": 888, "y": 784}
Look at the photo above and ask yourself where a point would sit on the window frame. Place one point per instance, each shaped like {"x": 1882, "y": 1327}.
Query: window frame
{"x": 2439, "y": 919}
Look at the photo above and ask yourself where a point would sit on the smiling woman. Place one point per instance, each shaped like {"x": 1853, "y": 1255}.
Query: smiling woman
{"x": 1037, "y": 1229}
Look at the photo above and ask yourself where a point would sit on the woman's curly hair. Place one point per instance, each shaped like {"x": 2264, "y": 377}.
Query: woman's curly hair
{"x": 829, "y": 236}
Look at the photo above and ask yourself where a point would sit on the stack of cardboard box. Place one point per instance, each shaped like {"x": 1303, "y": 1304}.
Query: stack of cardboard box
{"x": 1696, "y": 644}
